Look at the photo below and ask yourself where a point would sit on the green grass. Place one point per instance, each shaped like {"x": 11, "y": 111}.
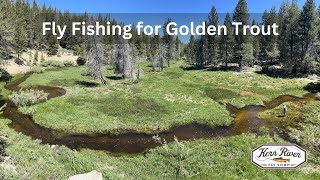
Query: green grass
{"x": 68, "y": 77}
{"x": 225, "y": 158}
{"x": 305, "y": 130}
{"x": 159, "y": 101}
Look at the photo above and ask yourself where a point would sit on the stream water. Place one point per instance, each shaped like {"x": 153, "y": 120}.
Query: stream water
{"x": 245, "y": 120}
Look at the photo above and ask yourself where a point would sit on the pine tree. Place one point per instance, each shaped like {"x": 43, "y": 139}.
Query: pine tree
{"x": 264, "y": 43}
{"x": 213, "y": 19}
{"x": 177, "y": 47}
{"x": 7, "y": 28}
{"x": 36, "y": 25}
{"x": 27, "y": 19}
{"x": 201, "y": 52}
{"x": 190, "y": 50}
{"x": 226, "y": 43}
{"x": 255, "y": 43}
{"x": 269, "y": 44}
{"x": 154, "y": 52}
{"x": 168, "y": 42}
{"x": 20, "y": 35}
{"x": 308, "y": 29}
{"x": 289, "y": 42}
{"x": 53, "y": 46}
{"x": 243, "y": 46}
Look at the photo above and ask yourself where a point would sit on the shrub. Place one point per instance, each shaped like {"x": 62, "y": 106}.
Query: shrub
{"x": 19, "y": 61}
{"x": 2, "y": 107}
{"x": 81, "y": 61}
{"x": 28, "y": 97}
{"x": 4, "y": 75}
{"x": 36, "y": 57}
{"x": 79, "y": 50}
{"x": 68, "y": 63}
{"x": 27, "y": 110}
{"x": 38, "y": 69}
{"x": 53, "y": 64}
{"x": 42, "y": 58}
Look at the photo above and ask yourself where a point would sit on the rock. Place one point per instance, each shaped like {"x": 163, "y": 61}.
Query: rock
{"x": 93, "y": 175}
{"x": 318, "y": 96}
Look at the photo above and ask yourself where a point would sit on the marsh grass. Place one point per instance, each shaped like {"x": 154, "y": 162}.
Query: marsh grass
{"x": 28, "y": 97}
{"x": 226, "y": 158}
{"x": 221, "y": 158}
{"x": 160, "y": 100}
{"x": 302, "y": 124}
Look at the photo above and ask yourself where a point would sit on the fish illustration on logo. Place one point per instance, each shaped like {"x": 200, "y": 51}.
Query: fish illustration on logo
{"x": 278, "y": 156}
{"x": 281, "y": 160}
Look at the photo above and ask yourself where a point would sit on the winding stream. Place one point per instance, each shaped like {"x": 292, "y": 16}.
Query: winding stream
{"x": 245, "y": 120}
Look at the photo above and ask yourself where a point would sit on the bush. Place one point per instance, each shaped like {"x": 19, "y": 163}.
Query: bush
{"x": 4, "y": 75}
{"x": 27, "y": 110}
{"x": 38, "y": 69}
{"x": 2, "y": 107}
{"x": 19, "y": 61}
{"x": 68, "y": 63}
{"x": 36, "y": 57}
{"x": 28, "y": 97}
{"x": 53, "y": 64}
{"x": 81, "y": 61}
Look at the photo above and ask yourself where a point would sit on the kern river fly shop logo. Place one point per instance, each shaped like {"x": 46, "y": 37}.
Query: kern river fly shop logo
{"x": 278, "y": 156}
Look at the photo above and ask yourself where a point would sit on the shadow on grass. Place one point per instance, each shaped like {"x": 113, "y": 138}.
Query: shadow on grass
{"x": 313, "y": 87}
{"x": 224, "y": 68}
{"x": 210, "y": 68}
{"x": 114, "y": 77}
{"x": 193, "y": 68}
{"x": 219, "y": 94}
{"x": 281, "y": 73}
{"x": 87, "y": 84}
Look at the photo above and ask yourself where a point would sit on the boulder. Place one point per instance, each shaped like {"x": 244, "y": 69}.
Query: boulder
{"x": 318, "y": 96}
{"x": 93, "y": 175}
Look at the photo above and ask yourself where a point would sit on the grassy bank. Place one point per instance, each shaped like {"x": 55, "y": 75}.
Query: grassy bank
{"x": 161, "y": 100}
{"x": 202, "y": 159}
{"x": 305, "y": 123}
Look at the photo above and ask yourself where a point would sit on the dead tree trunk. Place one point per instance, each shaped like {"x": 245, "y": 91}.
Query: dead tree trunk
{"x": 122, "y": 58}
{"x": 96, "y": 59}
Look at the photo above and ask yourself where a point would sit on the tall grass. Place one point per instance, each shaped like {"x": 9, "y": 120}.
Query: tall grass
{"x": 28, "y": 97}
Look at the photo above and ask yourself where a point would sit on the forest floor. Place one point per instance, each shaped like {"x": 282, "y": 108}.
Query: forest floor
{"x": 161, "y": 100}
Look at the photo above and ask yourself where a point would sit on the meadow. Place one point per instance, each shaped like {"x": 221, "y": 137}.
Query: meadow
{"x": 160, "y": 100}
